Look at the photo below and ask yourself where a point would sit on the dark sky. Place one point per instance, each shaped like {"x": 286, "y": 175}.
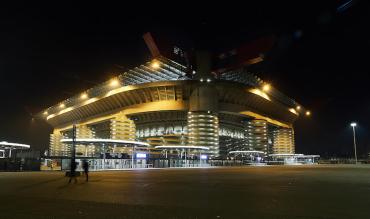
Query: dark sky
{"x": 321, "y": 56}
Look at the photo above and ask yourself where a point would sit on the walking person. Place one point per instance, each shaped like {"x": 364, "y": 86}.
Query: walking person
{"x": 72, "y": 173}
{"x": 85, "y": 166}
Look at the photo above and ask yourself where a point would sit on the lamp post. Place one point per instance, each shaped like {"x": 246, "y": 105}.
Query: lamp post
{"x": 73, "y": 155}
{"x": 353, "y": 124}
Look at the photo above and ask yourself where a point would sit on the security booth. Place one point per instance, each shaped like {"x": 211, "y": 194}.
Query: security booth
{"x": 108, "y": 154}
{"x": 249, "y": 157}
{"x": 7, "y": 148}
{"x": 293, "y": 159}
{"x": 18, "y": 157}
{"x": 182, "y": 156}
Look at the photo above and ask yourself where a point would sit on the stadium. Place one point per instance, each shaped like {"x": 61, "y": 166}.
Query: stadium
{"x": 175, "y": 113}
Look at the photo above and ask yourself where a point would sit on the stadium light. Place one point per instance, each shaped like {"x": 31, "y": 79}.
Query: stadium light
{"x": 114, "y": 82}
{"x": 155, "y": 64}
{"x": 298, "y": 107}
{"x": 266, "y": 87}
{"x": 308, "y": 113}
{"x": 62, "y": 105}
{"x": 83, "y": 96}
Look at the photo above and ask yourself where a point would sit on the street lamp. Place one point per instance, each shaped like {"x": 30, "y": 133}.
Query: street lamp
{"x": 353, "y": 124}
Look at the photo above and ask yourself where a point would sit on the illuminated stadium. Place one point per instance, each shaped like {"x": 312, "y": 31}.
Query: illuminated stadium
{"x": 167, "y": 109}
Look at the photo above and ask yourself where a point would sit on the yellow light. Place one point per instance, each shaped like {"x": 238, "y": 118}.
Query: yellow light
{"x": 114, "y": 82}
{"x": 83, "y": 96}
{"x": 308, "y": 113}
{"x": 293, "y": 110}
{"x": 155, "y": 64}
{"x": 298, "y": 107}
{"x": 46, "y": 112}
{"x": 62, "y": 105}
{"x": 266, "y": 87}
{"x": 260, "y": 93}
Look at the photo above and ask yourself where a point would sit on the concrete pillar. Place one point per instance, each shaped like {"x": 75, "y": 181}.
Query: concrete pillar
{"x": 203, "y": 124}
{"x": 256, "y": 135}
{"x": 84, "y": 131}
{"x": 284, "y": 141}
{"x": 122, "y": 128}
{"x": 203, "y": 131}
{"x": 56, "y": 148}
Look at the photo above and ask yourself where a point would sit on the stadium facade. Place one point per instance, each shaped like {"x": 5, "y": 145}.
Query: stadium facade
{"x": 165, "y": 105}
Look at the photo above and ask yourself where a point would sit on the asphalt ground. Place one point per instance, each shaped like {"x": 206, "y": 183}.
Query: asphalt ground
{"x": 317, "y": 191}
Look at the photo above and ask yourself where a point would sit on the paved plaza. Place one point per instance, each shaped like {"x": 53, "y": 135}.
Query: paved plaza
{"x": 241, "y": 192}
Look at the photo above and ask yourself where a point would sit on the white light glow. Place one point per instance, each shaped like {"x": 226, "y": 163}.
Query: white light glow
{"x": 203, "y": 157}
{"x": 5, "y": 143}
{"x": 140, "y": 155}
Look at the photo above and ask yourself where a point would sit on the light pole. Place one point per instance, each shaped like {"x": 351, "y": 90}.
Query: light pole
{"x": 353, "y": 124}
{"x": 73, "y": 155}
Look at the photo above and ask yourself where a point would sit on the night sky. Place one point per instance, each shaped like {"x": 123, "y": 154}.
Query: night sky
{"x": 51, "y": 52}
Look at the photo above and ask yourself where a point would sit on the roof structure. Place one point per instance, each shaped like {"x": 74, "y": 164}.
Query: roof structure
{"x": 165, "y": 70}
{"x": 7, "y": 145}
{"x": 164, "y": 79}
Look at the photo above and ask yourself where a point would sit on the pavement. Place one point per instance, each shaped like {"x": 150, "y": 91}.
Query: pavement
{"x": 317, "y": 191}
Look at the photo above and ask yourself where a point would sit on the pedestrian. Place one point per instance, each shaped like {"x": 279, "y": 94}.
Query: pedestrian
{"x": 85, "y": 166}
{"x": 72, "y": 173}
